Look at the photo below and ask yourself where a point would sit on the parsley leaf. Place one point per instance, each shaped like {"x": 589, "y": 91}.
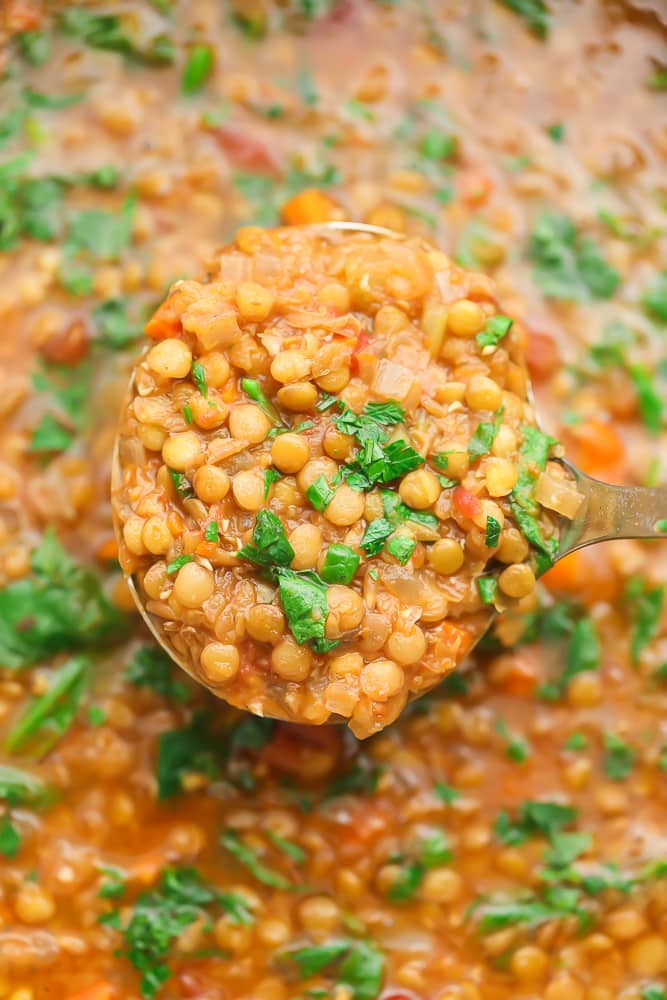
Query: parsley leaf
{"x": 494, "y": 331}
{"x": 51, "y": 714}
{"x": 19, "y": 787}
{"x": 654, "y": 299}
{"x": 645, "y": 607}
{"x": 361, "y": 970}
{"x": 304, "y": 600}
{"x": 533, "y": 456}
{"x": 401, "y": 548}
{"x": 197, "y": 70}
{"x": 375, "y": 536}
{"x": 178, "y": 563}
{"x": 583, "y": 653}
{"x": 340, "y": 564}
{"x": 252, "y": 388}
{"x": 102, "y": 234}
{"x": 107, "y": 32}
{"x": 566, "y": 265}
{"x": 247, "y": 857}
{"x": 10, "y": 838}
{"x": 50, "y": 436}
{"x": 541, "y": 817}
{"x": 651, "y": 406}
{"x": 492, "y": 536}
{"x": 151, "y": 668}
{"x": 199, "y": 377}
{"x": 483, "y": 438}
{"x": 59, "y": 606}
{"x": 191, "y": 749}
{"x": 534, "y": 12}
{"x": 619, "y": 757}
{"x": 271, "y": 476}
{"x": 114, "y": 328}
{"x": 269, "y": 545}
{"x": 320, "y": 493}
{"x": 161, "y": 915}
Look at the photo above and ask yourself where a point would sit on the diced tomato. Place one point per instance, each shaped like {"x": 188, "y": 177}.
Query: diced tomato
{"x": 466, "y": 503}
{"x": 248, "y": 151}
{"x": 542, "y": 355}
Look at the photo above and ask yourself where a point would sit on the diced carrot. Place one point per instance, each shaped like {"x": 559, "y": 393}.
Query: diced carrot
{"x": 308, "y": 207}
{"x": 108, "y": 550}
{"x": 519, "y": 676}
{"x": 565, "y": 576}
{"x": 456, "y": 638}
{"x": 296, "y": 752}
{"x": 101, "y": 990}
{"x": 475, "y": 187}
{"x": 21, "y": 15}
{"x": 466, "y": 503}
{"x": 166, "y": 320}
{"x": 542, "y": 355}
{"x": 597, "y": 449}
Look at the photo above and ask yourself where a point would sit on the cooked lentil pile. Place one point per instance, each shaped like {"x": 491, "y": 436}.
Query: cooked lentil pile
{"x": 322, "y": 459}
{"x": 504, "y": 839}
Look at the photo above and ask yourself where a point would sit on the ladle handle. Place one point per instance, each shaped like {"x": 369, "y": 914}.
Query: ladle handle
{"x": 612, "y": 511}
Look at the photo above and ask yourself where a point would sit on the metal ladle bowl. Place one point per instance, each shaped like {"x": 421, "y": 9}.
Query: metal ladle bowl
{"x": 606, "y": 512}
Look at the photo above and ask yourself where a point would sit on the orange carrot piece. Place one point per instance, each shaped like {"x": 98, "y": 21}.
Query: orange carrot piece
{"x": 598, "y": 449}
{"x": 308, "y": 207}
{"x": 108, "y": 550}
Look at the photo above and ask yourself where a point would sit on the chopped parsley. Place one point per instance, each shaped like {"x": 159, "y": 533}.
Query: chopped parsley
{"x": 10, "y": 838}
{"x": 160, "y": 915}
{"x": 576, "y": 741}
{"x": 211, "y": 533}
{"x": 375, "y": 535}
{"x": 401, "y": 548}
{"x": 50, "y": 436}
{"x": 50, "y": 715}
{"x": 486, "y": 588}
{"x": 288, "y": 847}
{"x": 533, "y": 456}
{"x": 34, "y": 47}
{"x": 199, "y": 377}
{"x": 304, "y": 600}
{"x": 484, "y": 436}
{"x": 516, "y": 748}
{"x": 108, "y": 33}
{"x": 182, "y": 484}
{"x": 654, "y": 298}
{"x": 247, "y": 857}
{"x": 645, "y": 607}
{"x": 150, "y": 667}
{"x": 359, "y": 965}
{"x": 190, "y": 750}
{"x": 113, "y": 326}
{"x": 535, "y": 13}
{"x": 320, "y": 494}
{"x": 568, "y": 265}
{"x": 494, "y": 331}
{"x": 619, "y": 758}
{"x": 252, "y": 388}
{"x": 340, "y": 564}
{"x": 19, "y": 787}
{"x": 269, "y": 545}
{"x": 58, "y": 606}
{"x": 178, "y": 563}
{"x": 650, "y": 402}
{"x": 197, "y": 70}
{"x": 492, "y": 536}
{"x": 446, "y": 793}
{"x": 583, "y": 653}
{"x": 377, "y": 459}
{"x": 361, "y": 778}
{"x": 271, "y": 476}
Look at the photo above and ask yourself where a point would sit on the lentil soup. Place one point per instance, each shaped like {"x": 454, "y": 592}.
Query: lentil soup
{"x": 326, "y": 479}
{"x": 505, "y": 837}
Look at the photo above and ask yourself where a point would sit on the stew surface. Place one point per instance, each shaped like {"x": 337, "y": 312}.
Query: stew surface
{"x": 506, "y": 837}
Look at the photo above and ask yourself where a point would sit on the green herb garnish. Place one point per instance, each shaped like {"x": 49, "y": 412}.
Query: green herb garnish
{"x": 252, "y": 388}
{"x": 496, "y": 328}
{"x": 567, "y": 265}
{"x": 320, "y": 494}
{"x": 247, "y": 857}
{"x": 401, "y": 548}
{"x": 51, "y": 714}
{"x": 340, "y": 564}
{"x": 177, "y": 563}
{"x": 486, "y": 587}
{"x": 619, "y": 758}
{"x": 375, "y": 535}
{"x": 197, "y": 70}
{"x": 492, "y": 536}
{"x": 269, "y": 545}
{"x": 10, "y": 838}
{"x": 304, "y": 600}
